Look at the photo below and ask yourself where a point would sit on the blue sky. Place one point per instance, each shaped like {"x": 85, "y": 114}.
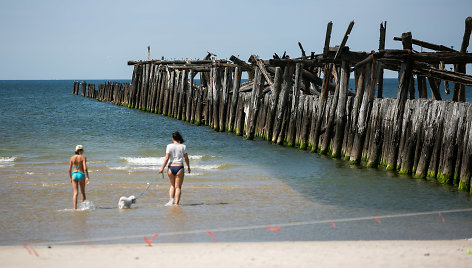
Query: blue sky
{"x": 95, "y": 39}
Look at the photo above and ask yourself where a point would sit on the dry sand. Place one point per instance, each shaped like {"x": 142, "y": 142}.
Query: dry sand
{"x": 453, "y": 253}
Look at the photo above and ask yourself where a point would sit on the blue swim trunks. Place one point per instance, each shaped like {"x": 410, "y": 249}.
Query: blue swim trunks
{"x": 77, "y": 175}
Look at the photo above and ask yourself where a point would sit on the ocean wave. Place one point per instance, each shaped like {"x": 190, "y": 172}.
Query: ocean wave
{"x": 8, "y": 159}
{"x": 119, "y": 168}
{"x": 144, "y": 160}
{"x": 193, "y": 174}
{"x": 206, "y": 167}
{"x": 157, "y": 160}
{"x": 96, "y": 162}
{"x": 6, "y": 165}
{"x": 52, "y": 185}
{"x": 199, "y": 157}
{"x": 131, "y": 168}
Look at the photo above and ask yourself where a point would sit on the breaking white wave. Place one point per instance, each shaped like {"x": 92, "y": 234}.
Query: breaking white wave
{"x": 155, "y": 163}
{"x": 119, "y": 168}
{"x": 153, "y": 160}
{"x": 7, "y": 161}
{"x": 206, "y": 167}
{"x": 145, "y": 161}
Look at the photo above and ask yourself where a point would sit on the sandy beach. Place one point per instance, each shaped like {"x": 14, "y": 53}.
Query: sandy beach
{"x": 451, "y": 253}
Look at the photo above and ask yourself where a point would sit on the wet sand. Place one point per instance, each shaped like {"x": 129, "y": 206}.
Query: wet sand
{"x": 444, "y": 253}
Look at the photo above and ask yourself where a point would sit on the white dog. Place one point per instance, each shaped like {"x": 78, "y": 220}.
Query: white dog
{"x": 125, "y": 202}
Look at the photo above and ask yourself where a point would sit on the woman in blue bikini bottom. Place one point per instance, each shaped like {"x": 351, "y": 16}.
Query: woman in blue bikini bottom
{"x": 77, "y": 175}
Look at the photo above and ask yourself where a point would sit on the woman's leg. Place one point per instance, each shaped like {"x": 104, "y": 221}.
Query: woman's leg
{"x": 179, "y": 180}
{"x": 82, "y": 188}
{"x": 75, "y": 186}
{"x": 172, "y": 183}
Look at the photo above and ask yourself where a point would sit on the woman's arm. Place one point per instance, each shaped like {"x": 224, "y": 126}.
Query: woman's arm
{"x": 70, "y": 170}
{"x": 164, "y": 164}
{"x": 187, "y": 161}
{"x": 87, "y": 180}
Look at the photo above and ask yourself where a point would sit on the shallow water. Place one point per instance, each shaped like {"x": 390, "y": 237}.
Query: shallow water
{"x": 236, "y": 190}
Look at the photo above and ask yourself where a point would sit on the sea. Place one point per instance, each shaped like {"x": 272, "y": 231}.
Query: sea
{"x": 238, "y": 190}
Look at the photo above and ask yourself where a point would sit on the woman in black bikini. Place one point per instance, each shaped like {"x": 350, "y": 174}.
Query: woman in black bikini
{"x": 176, "y": 153}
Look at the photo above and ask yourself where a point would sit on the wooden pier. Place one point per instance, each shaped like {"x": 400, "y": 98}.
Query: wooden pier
{"x": 306, "y": 102}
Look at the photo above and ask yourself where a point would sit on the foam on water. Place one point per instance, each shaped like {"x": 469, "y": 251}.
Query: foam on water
{"x": 155, "y": 160}
{"x": 119, "y": 168}
{"x": 7, "y": 161}
{"x": 207, "y": 167}
{"x": 138, "y": 168}
{"x": 155, "y": 163}
{"x": 86, "y": 205}
{"x": 144, "y": 160}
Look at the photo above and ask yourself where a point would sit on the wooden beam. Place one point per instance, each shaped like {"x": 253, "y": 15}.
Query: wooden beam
{"x": 443, "y": 74}
{"x": 428, "y": 45}
{"x": 254, "y": 104}
{"x": 244, "y": 66}
{"x": 459, "y": 90}
{"x": 407, "y": 41}
{"x": 341, "y": 117}
{"x": 303, "y": 51}
{"x": 467, "y": 32}
{"x": 446, "y": 57}
{"x": 176, "y": 62}
{"x": 383, "y": 32}
{"x": 434, "y": 88}
{"x": 264, "y": 71}
{"x": 343, "y": 43}
{"x": 408, "y": 45}
{"x": 329, "y": 27}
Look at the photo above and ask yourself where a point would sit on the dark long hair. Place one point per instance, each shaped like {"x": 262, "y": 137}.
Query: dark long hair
{"x": 177, "y": 137}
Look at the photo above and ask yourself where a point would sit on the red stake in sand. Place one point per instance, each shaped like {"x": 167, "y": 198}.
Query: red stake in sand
{"x": 440, "y": 215}
{"x": 212, "y": 236}
{"x": 30, "y": 250}
{"x": 333, "y": 224}
{"x": 148, "y": 241}
{"x": 276, "y": 229}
